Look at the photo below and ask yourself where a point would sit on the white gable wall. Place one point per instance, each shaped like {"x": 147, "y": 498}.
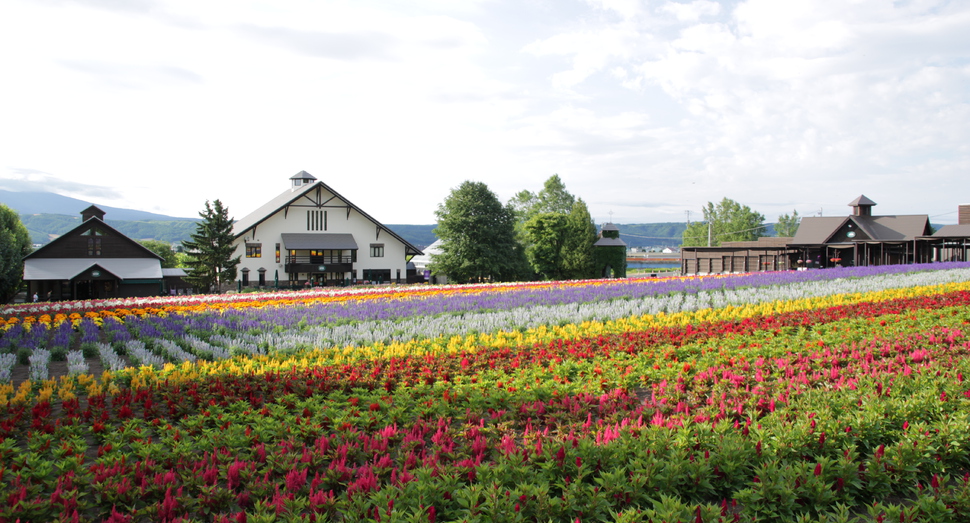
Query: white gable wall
{"x": 269, "y": 232}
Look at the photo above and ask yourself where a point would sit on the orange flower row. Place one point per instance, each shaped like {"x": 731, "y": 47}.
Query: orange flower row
{"x": 182, "y": 305}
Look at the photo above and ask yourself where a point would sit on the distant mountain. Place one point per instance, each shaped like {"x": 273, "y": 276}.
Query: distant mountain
{"x": 50, "y": 203}
{"x": 420, "y": 236}
{"x": 45, "y": 227}
{"x": 47, "y": 215}
{"x": 664, "y": 234}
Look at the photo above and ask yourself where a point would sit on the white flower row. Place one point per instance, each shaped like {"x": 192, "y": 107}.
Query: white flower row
{"x": 141, "y": 356}
{"x": 367, "y": 333}
{"x": 76, "y": 364}
{"x": 110, "y": 359}
{"x": 7, "y": 361}
{"x": 39, "y": 361}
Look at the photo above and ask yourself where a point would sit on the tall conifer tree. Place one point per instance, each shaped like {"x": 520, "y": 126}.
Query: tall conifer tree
{"x": 210, "y": 260}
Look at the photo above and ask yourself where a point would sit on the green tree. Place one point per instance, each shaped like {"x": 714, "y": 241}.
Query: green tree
{"x": 787, "y": 224}
{"x": 546, "y": 233}
{"x": 728, "y": 221}
{"x": 14, "y": 245}
{"x": 477, "y": 237}
{"x": 552, "y": 198}
{"x": 163, "y": 249}
{"x": 546, "y": 259}
{"x": 561, "y": 245}
{"x": 210, "y": 249}
{"x": 578, "y": 259}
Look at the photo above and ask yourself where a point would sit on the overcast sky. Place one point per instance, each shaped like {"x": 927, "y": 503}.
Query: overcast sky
{"x": 645, "y": 109}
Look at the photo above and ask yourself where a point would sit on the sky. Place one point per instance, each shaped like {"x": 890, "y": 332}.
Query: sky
{"x": 647, "y": 110}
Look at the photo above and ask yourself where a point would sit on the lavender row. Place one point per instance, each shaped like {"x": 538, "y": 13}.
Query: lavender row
{"x": 524, "y": 318}
{"x": 217, "y": 335}
{"x": 335, "y": 315}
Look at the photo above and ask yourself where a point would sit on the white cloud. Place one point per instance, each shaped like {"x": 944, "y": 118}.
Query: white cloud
{"x": 691, "y": 11}
{"x": 648, "y": 109}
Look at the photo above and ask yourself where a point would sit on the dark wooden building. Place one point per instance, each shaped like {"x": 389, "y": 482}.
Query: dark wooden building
{"x": 93, "y": 261}
{"x": 951, "y": 242}
{"x": 763, "y": 254}
{"x": 859, "y": 239}
{"x": 609, "y": 253}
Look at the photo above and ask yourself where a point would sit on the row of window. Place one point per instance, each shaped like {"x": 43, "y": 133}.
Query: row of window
{"x": 255, "y": 250}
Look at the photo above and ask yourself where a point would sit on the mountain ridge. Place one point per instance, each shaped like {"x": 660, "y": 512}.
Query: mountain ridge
{"x": 42, "y": 214}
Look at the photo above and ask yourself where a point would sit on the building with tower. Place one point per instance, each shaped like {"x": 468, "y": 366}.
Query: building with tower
{"x": 95, "y": 261}
{"x": 609, "y": 252}
{"x": 311, "y": 235}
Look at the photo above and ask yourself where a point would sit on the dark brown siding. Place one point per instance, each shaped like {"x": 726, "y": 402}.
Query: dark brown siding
{"x": 75, "y": 245}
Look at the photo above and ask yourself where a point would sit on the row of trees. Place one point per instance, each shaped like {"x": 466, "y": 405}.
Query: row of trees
{"x": 544, "y": 235}
{"x": 729, "y": 221}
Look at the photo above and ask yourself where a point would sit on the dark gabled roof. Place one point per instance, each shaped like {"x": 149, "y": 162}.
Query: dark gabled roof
{"x": 861, "y": 200}
{"x": 761, "y": 242}
{"x": 953, "y": 231}
{"x": 287, "y": 197}
{"x": 93, "y": 209}
{"x": 819, "y": 230}
{"x": 814, "y": 230}
{"x": 609, "y": 242}
{"x": 85, "y": 224}
{"x": 319, "y": 240}
{"x": 69, "y": 268}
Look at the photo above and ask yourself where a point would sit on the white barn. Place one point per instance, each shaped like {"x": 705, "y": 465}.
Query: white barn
{"x": 312, "y": 234}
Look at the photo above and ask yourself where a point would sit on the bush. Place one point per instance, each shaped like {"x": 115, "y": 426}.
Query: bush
{"x": 59, "y": 354}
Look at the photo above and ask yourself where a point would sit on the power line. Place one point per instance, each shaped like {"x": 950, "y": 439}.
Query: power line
{"x": 651, "y": 237}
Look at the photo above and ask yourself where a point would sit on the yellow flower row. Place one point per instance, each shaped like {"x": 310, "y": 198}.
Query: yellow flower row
{"x": 542, "y": 334}
{"x": 186, "y": 371}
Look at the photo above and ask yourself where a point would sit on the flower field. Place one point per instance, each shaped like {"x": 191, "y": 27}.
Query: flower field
{"x": 828, "y": 395}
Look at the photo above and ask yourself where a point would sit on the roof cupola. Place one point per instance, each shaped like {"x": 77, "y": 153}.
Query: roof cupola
{"x": 862, "y": 206}
{"x": 92, "y": 212}
{"x": 301, "y": 179}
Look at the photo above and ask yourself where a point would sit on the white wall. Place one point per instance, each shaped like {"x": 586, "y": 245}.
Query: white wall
{"x": 365, "y": 233}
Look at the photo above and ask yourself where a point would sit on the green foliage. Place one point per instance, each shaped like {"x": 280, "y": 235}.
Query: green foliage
{"x": 165, "y": 231}
{"x": 14, "y": 245}
{"x": 577, "y": 253}
{"x": 553, "y": 198}
{"x": 44, "y": 226}
{"x": 557, "y": 231}
{"x": 163, "y": 249}
{"x": 210, "y": 249}
{"x": 728, "y": 221}
{"x": 478, "y": 237}
{"x": 546, "y": 233}
{"x": 787, "y": 224}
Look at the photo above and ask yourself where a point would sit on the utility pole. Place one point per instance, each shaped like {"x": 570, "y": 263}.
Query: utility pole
{"x": 688, "y": 217}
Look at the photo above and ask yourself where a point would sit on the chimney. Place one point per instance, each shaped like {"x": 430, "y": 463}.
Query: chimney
{"x": 964, "y": 214}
